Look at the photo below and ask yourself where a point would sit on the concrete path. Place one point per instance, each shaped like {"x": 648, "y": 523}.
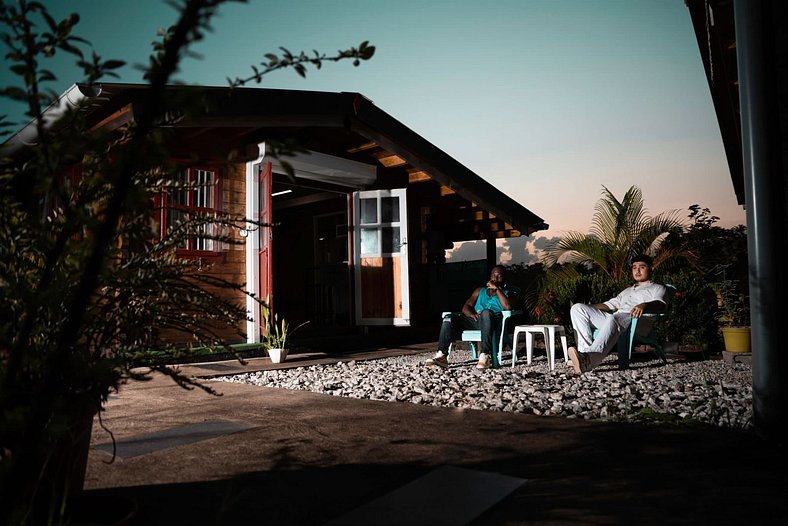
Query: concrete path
{"x": 258, "y": 455}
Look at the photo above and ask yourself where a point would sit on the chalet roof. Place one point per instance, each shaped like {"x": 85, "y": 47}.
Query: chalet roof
{"x": 713, "y": 22}
{"x": 344, "y": 124}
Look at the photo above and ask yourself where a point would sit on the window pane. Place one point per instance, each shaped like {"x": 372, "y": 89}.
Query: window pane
{"x": 179, "y": 195}
{"x": 391, "y": 242}
{"x": 173, "y": 219}
{"x": 369, "y": 211}
{"x": 389, "y": 209}
{"x": 370, "y": 241}
{"x": 201, "y": 243}
{"x": 203, "y": 192}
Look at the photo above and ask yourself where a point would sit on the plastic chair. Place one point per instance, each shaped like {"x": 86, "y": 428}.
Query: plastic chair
{"x": 628, "y": 340}
{"x": 474, "y": 337}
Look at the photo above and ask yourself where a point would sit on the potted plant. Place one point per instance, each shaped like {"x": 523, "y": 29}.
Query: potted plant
{"x": 276, "y": 333}
{"x": 693, "y": 344}
{"x": 734, "y": 315}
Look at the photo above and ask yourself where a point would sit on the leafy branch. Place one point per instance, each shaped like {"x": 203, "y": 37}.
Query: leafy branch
{"x": 300, "y": 62}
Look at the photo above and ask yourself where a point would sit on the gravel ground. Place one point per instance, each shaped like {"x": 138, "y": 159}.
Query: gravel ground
{"x": 707, "y": 392}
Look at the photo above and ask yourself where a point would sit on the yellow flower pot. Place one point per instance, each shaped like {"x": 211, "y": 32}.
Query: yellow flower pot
{"x": 737, "y": 339}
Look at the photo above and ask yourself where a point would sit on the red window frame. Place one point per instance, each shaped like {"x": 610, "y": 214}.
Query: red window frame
{"x": 202, "y": 195}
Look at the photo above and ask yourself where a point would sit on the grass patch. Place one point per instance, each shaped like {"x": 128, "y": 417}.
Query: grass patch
{"x": 649, "y": 416}
{"x": 202, "y": 354}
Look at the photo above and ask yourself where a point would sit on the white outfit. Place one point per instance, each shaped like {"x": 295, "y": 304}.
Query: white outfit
{"x": 586, "y": 318}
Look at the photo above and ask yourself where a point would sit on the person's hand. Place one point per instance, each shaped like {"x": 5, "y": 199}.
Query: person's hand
{"x": 492, "y": 285}
{"x": 638, "y": 310}
{"x": 475, "y": 316}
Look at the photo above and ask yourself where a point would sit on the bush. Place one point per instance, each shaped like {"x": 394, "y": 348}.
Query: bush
{"x": 692, "y": 313}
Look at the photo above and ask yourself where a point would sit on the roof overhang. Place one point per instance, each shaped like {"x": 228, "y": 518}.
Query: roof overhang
{"x": 713, "y": 22}
{"x": 249, "y": 115}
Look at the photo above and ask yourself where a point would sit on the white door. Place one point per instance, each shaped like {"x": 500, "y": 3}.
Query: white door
{"x": 380, "y": 256}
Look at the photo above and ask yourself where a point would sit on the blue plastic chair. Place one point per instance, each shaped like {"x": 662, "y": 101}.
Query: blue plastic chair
{"x": 628, "y": 340}
{"x": 474, "y": 337}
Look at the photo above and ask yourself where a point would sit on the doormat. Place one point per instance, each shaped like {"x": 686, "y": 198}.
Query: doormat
{"x": 173, "y": 437}
{"x": 445, "y": 496}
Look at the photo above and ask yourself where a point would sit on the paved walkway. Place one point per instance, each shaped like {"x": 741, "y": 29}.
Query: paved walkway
{"x": 267, "y": 456}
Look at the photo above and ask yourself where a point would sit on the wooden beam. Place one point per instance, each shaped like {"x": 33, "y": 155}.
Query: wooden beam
{"x": 390, "y": 160}
{"x": 363, "y": 147}
{"x": 116, "y": 120}
{"x": 418, "y": 176}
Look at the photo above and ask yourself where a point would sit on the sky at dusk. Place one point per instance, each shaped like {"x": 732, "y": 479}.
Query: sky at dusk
{"x": 548, "y": 100}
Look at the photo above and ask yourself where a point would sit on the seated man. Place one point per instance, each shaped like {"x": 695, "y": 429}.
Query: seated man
{"x": 481, "y": 311}
{"x": 642, "y": 300}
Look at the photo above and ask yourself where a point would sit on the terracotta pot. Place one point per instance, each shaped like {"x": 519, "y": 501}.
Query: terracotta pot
{"x": 737, "y": 339}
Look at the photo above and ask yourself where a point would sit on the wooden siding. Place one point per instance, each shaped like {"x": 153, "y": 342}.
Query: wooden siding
{"x": 381, "y": 289}
{"x": 230, "y": 266}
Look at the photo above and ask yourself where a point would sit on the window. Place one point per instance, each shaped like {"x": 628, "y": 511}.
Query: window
{"x": 193, "y": 195}
{"x": 380, "y": 230}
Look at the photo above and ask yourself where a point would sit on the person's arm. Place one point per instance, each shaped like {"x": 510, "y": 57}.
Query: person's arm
{"x": 470, "y": 303}
{"x": 503, "y": 299}
{"x": 613, "y": 304}
{"x": 649, "y": 307}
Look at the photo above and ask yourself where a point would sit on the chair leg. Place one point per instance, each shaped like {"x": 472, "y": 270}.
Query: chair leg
{"x": 661, "y": 353}
{"x": 473, "y": 350}
{"x": 624, "y": 349}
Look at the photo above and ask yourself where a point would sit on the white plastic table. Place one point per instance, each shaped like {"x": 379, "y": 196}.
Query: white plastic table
{"x": 548, "y": 332}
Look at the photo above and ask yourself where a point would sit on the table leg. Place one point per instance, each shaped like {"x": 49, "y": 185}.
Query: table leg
{"x": 549, "y": 341}
{"x": 564, "y": 345}
{"x": 529, "y": 346}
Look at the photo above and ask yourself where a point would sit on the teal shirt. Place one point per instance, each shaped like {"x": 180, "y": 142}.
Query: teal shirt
{"x": 483, "y": 301}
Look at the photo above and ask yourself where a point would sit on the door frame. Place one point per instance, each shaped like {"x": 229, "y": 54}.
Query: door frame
{"x": 401, "y": 254}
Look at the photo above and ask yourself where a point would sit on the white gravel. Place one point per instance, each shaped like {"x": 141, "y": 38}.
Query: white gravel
{"x": 709, "y": 392}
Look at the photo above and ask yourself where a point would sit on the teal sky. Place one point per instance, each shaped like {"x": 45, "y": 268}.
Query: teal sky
{"x": 547, "y": 100}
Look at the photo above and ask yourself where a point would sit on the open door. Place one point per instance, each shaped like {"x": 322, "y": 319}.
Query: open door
{"x": 266, "y": 235}
{"x": 380, "y": 256}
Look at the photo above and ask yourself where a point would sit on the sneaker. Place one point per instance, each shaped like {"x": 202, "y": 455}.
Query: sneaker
{"x": 440, "y": 359}
{"x": 484, "y": 361}
{"x": 580, "y": 361}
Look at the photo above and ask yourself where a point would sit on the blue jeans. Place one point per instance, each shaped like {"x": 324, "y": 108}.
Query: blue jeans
{"x": 489, "y": 323}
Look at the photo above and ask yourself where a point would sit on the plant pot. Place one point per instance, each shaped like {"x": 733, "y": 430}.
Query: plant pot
{"x": 101, "y": 510}
{"x": 277, "y": 355}
{"x": 54, "y": 467}
{"x": 737, "y": 339}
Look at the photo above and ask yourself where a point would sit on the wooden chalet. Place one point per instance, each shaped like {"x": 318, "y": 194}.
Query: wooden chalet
{"x": 359, "y": 234}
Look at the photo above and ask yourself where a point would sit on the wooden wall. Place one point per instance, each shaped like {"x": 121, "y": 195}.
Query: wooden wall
{"x": 230, "y": 263}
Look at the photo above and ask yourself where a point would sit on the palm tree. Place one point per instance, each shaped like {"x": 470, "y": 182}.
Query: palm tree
{"x": 619, "y": 231}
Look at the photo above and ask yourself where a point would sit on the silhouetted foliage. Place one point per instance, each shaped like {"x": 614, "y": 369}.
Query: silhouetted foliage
{"x": 88, "y": 286}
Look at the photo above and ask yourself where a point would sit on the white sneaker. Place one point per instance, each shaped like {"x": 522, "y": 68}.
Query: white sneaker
{"x": 440, "y": 359}
{"x": 485, "y": 362}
